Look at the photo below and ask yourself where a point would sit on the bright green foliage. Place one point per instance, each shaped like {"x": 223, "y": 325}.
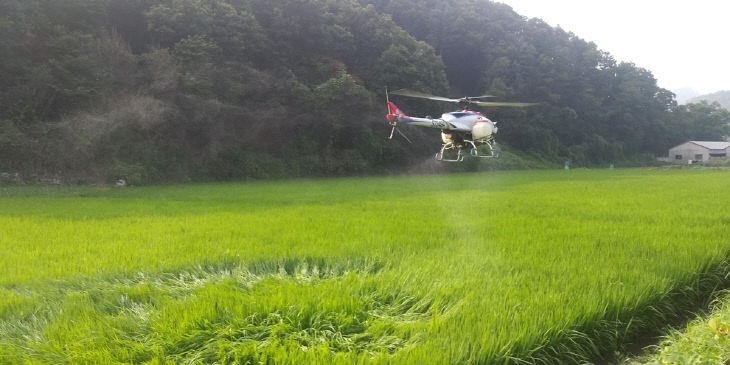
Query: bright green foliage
{"x": 705, "y": 340}
{"x": 556, "y": 267}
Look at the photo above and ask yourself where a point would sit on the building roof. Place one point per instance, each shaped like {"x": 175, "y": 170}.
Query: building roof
{"x": 712, "y": 145}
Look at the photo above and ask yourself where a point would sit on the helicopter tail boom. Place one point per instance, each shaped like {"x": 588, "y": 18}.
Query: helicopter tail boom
{"x": 395, "y": 116}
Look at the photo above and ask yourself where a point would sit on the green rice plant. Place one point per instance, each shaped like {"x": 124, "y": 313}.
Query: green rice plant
{"x": 705, "y": 340}
{"x": 518, "y": 267}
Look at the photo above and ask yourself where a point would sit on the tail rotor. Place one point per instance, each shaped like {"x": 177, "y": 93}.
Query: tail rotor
{"x": 393, "y": 114}
{"x": 391, "y": 120}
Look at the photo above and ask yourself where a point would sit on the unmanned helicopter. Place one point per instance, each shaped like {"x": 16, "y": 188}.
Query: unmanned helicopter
{"x": 459, "y": 130}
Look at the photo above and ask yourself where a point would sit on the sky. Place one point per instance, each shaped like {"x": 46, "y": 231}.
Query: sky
{"x": 683, "y": 43}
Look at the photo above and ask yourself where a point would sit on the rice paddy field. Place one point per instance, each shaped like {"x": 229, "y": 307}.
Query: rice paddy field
{"x": 509, "y": 267}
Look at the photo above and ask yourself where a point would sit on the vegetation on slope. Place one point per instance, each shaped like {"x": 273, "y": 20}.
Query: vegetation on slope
{"x": 552, "y": 267}
{"x": 596, "y": 110}
{"x": 721, "y": 97}
{"x": 705, "y": 340}
{"x": 160, "y": 90}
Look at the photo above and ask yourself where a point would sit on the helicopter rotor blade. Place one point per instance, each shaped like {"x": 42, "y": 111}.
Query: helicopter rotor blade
{"x": 402, "y": 135}
{"x": 468, "y": 100}
{"x": 418, "y": 94}
{"x": 395, "y": 129}
{"x": 387, "y": 100}
{"x": 504, "y": 104}
{"x": 393, "y": 123}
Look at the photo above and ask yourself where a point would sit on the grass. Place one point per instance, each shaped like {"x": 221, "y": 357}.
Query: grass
{"x": 705, "y": 340}
{"x": 551, "y": 266}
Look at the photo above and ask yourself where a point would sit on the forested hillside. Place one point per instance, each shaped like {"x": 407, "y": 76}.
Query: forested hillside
{"x": 172, "y": 90}
{"x": 721, "y": 97}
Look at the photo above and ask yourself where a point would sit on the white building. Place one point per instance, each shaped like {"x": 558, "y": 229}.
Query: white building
{"x": 699, "y": 151}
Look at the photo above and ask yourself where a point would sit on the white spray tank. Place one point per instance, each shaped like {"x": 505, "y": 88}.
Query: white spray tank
{"x": 483, "y": 129}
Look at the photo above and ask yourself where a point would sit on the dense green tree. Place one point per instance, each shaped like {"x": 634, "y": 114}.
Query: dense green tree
{"x": 177, "y": 89}
{"x": 596, "y": 109}
{"x": 722, "y": 97}
{"x": 702, "y": 121}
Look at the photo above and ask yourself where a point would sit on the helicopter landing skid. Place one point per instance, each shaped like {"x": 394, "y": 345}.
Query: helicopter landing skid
{"x": 493, "y": 152}
{"x": 447, "y": 147}
{"x": 474, "y": 151}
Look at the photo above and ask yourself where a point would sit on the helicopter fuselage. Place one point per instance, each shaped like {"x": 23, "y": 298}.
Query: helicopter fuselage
{"x": 467, "y": 122}
{"x": 460, "y": 130}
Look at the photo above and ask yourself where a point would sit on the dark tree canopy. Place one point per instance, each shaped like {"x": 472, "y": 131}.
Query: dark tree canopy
{"x": 171, "y": 90}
